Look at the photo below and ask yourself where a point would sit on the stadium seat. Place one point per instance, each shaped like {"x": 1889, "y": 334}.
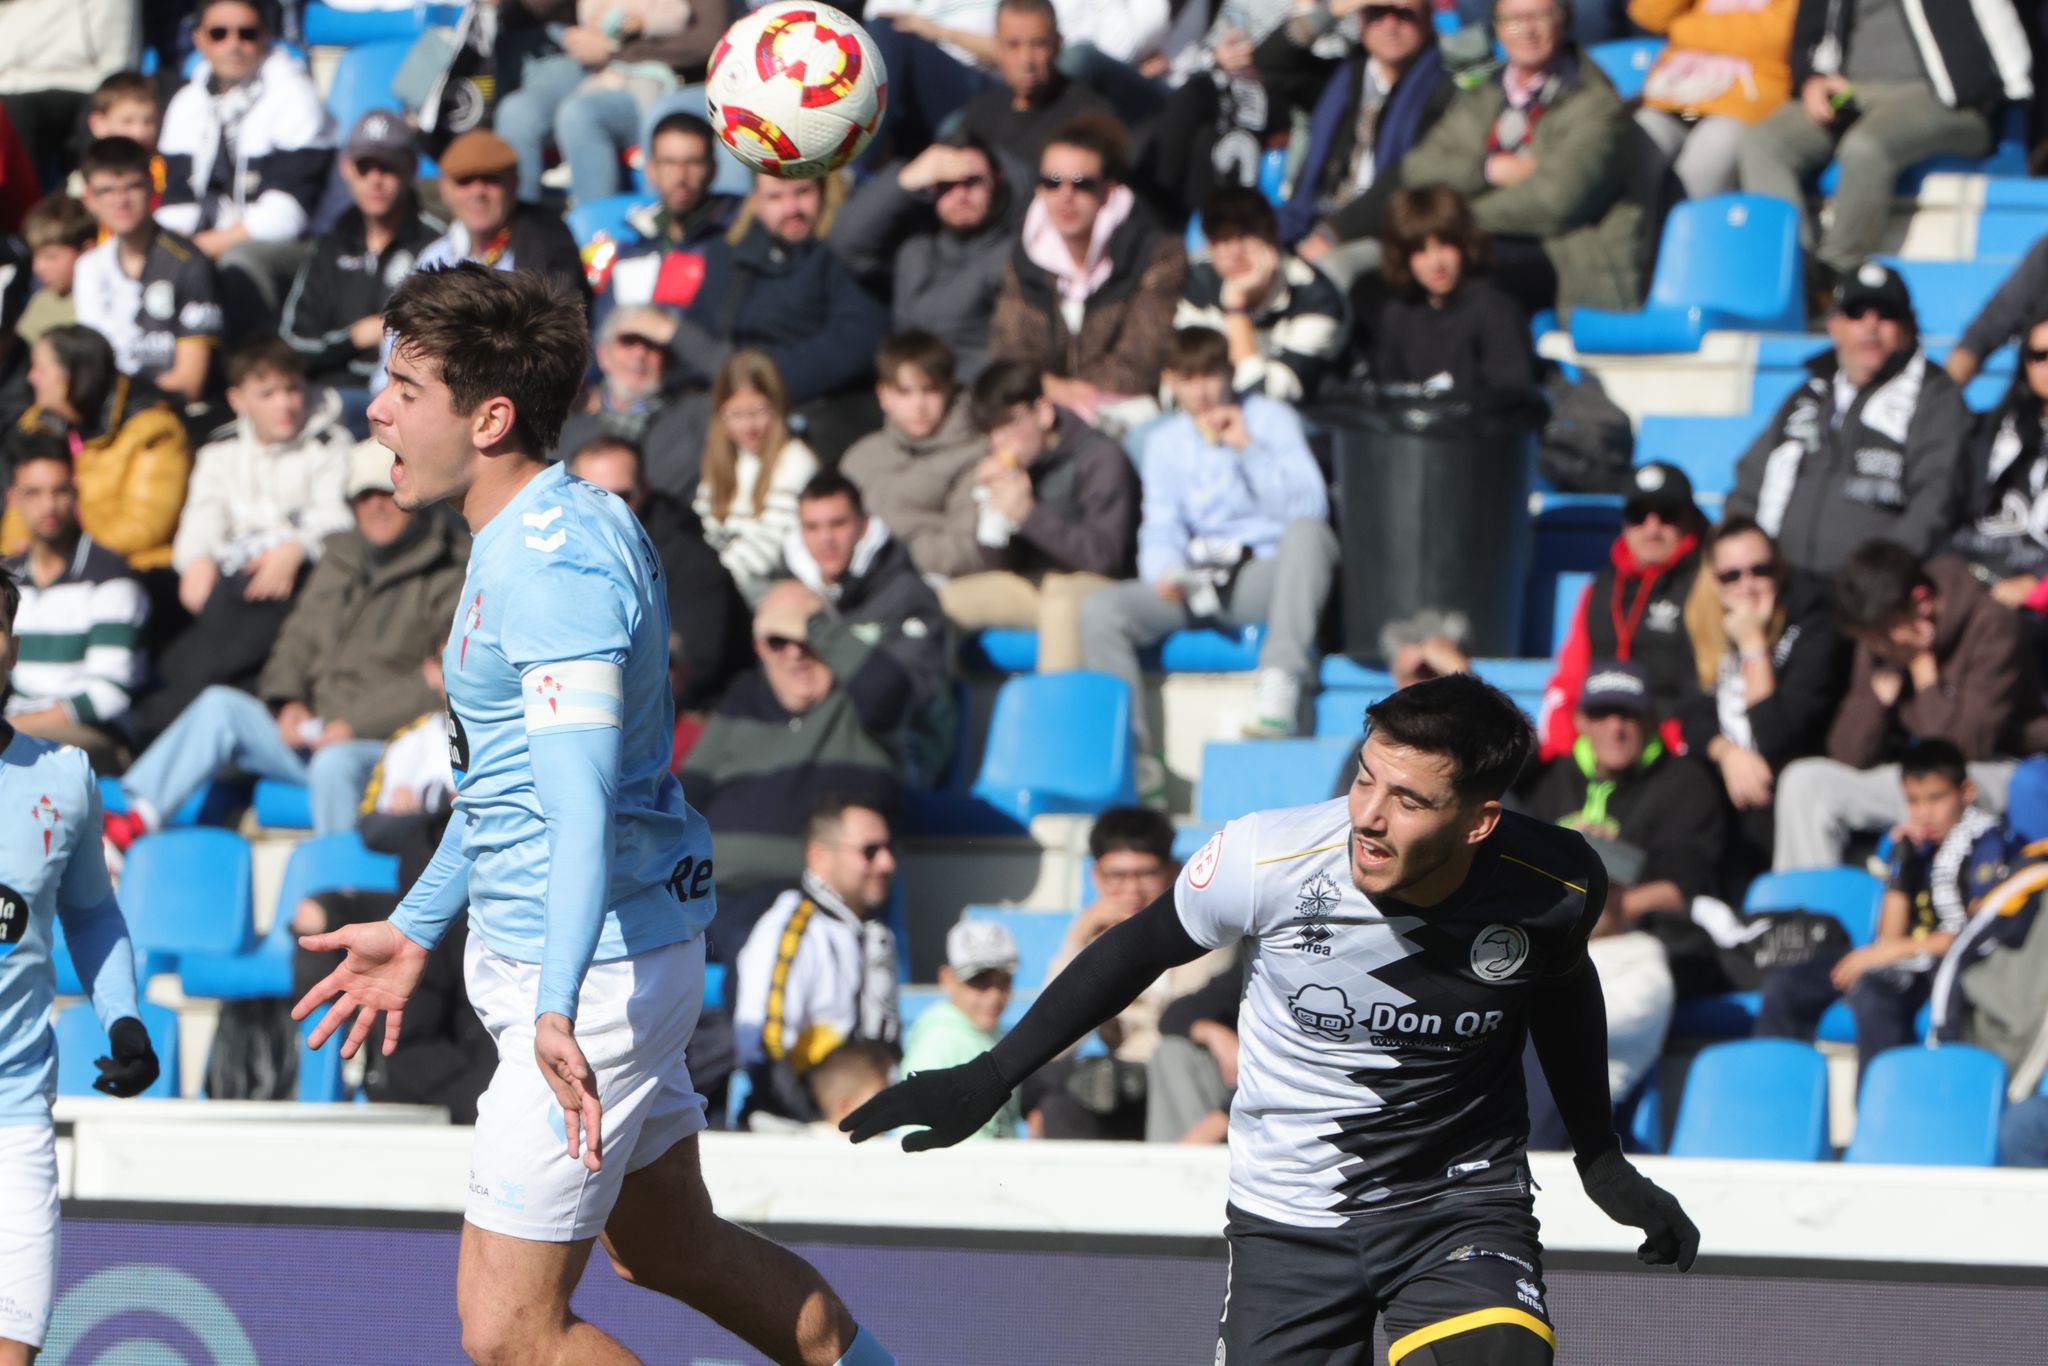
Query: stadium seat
{"x": 1850, "y": 895}
{"x": 1930, "y": 1107}
{"x": 1038, "y": 935}
{"x": 1755, "y": 1098}
{"x": 81, "y": 1043}
{"x": 188, "y": 891}
{"x": 2007, "y": 236}
{"x": 282, "y": 806}
{"x": 1555, "y": 622}
{"x": 1340, "y": 712}
{"x": 1947, "y": 295}
{"x": 1056, "y": 743}
{"x": 1187, "y": 841}
{"x": 1706, "y": 448}
{"x": 1201, "y": 650}
{"x": 1728, "y": 262}
{"x": 1730, "y": 1015}
{"x": 335, "y": 26}
{"x": 324, "y": 863}
{"x": 320, "y": 1078}
{"x": 1523, "y": 680}
{"x": 214, "y": 804}
{"x": 1627, "y": 62}
{"x": 1242, "y": 776}
{"x": 68, "y": 981}
{"x": 605, "y": 217}
{"x": 362, "y": 80}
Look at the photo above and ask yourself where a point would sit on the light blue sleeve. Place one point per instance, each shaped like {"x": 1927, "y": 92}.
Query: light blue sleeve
{"x": 93, "y": 924}
{"x": 1280, "y": 465}
{"x": 1162, "y": 527}
{"x": 441, "y": 894}
{"x": 576, "y": 774}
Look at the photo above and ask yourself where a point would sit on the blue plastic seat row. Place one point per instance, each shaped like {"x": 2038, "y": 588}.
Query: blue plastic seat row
{"x": 1199, "y": 650}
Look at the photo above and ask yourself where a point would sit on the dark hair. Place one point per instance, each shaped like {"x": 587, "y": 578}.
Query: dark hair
{"x": 123, "y": 87}
{"x": 1005, "y": 385}
{"x": 828, "y": 813}
{"x": 266, "y": 353}
{"x": 10, "y": 598}
{"x": 1100, "y": 134}
{"x": 87, "y": 359}
{"x": 1238, "y": 212}
{"x": 919, "y": 350}
{"x": 606, "y": 441}
{"x": 1876, "y": 584}
{"x": 832, "y": 484}
{"x": 497, "y": 333}
{"x": 1934, "y": 758}
{"x": 1487, "y": 738}
{"x": 1041, "y": 7}
{"x": 1414, "y": 215}
{"x": 682, "y": 121}
{"x": 263, "y": 14}
{"x": 1136, "y": 829}
{"x": 1198, "y": 351}
{"x": 114, "y": 156}
{"x": 58, "y": 220}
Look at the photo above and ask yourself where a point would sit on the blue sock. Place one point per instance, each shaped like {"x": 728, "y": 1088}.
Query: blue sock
{"x": 865, "y": 1351}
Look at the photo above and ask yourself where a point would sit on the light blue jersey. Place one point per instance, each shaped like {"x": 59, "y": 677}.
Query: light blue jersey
{"x": 574, "y": 839}
{"x": 51, "y": 865}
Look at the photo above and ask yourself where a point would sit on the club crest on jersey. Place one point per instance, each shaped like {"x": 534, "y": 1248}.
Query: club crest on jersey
{"x": 550, "y": 690}
{"x": 1322, "y": 1011}
{"x": 1499, "y": 952}
{"x": 46, "y": 815}
{"x": 1202, "y": 867}
{"x": 1316, "y": 899}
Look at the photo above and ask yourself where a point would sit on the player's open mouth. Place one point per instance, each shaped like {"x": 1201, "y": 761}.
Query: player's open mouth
{"x": 1371, "y": 855}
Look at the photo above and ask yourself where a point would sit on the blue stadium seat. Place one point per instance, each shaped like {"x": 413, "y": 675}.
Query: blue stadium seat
{"x": 1340, "y": 712}
{"x": 605, "y": 216}
{"x": 1627, "y": 62}
{"x": 1239, "y": 777}
{"x": 333, "y": 26}
{"x": 362, "y": 80}
{"x": 1057, "y": 743}
{"x": 2009, "y": 235}
{"x": 1731, "y": 1015}
{"x": 1706, "y": 448}
{"x": 1342, "y": 671}
{"x": 324, "y": 863}
{"x": 1038, "y": 935}
{"x": 1640, "y": 1116}
{"x": 1755, "y": 1098}
{"x": 1947, "y": 295}
{"x": 1202, "y": 650}
{"x": 214, "y": 804}
{"x": 188, "y": 891}
{"x": 68, "y": 982}
{"x": 1187, "y": 841}
{"x": 282, "y": 805}
{"x": 1523, "y": 680}
{"x": 1930, "y": 1107}
{"x": 1850, "y": 895}
{"x": 1727, "y": 262}
{"x": 81, "y": 1043}
{"x": 1556, "y": 620}
{"x": 320, "y": 1078}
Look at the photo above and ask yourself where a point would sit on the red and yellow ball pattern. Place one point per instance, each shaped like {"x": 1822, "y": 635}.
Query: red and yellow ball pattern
{"x": 796, "y": 89}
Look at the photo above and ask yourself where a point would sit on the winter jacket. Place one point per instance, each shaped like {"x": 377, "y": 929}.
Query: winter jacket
{"x": 1301, "y": 327}
{"x": 342, "y": 283}
{"x": 1988, "y": 698}
{"x": 1889, "y": 469}
{"x": 1632, "y": 612}
{"x": 944, "y": 1037}
{"x": 1975, "y": 52}
{"x": 1668, "y": 806}
{"x": 1579, "y": 203}
{"x": 284, "y": 145}
{"x": 67, "y": 44}
{"x": 704, "y": 609}
{"x": 247, "y": 497}
{"x": 1479, "y": 337}
{"x": 635, "y": 272}
{"x": 668, "y": 428}
{"x": 750, "y": 544}
{"x": 924, "y": 489}
{"x": 1811, "y": 661}
{"x": 1727, "y": 58}
{"x": 1084, "y": 515}
{"x": 2005, "y": 500}
{"x": 131, "y": 476}
{"x": 364, "y": 624}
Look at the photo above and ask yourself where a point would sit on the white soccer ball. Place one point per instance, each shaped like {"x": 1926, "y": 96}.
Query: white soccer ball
{"x": 796, "y": 89}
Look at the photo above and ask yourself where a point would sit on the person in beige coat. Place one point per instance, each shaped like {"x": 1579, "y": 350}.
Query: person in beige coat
{"x": 917, "y": 473}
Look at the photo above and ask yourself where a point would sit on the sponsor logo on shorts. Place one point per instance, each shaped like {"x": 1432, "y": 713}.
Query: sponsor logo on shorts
{"x": 1472, "y": 1253}
{"x": 1528, "y": 1294}
{"x": 1499, "y": 952}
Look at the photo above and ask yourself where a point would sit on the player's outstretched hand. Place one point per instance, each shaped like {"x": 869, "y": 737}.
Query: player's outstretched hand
{"x": 1626, "y": 1196}
{"x": 574, "y": 1084}
{"x": 379, "y": 974}
{"x": 133, "y": 1067}
{"x": 951, "y": 1103}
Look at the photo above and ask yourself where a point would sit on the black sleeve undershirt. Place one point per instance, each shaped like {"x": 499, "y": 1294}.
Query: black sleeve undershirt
{"x": 1568, "y": 1023}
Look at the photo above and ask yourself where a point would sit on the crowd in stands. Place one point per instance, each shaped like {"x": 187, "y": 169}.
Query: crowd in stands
{"x": 1049, "y": 357}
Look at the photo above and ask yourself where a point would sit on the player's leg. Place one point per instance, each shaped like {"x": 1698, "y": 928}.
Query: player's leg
{"x": 1465, "y": 1281}
{"x": 1292, "y": 1296}
{"x": 28, "y": 1238}
{"x": 513, "y": 1297}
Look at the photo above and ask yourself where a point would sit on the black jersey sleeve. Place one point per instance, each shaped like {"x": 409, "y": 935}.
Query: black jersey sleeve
{"x": 1568, "y": 1024}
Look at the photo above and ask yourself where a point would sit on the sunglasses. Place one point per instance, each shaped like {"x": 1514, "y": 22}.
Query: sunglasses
{"x": 1372, "y": 14}
{"x": 220, "y": 33}
{"x": 639, "y": 339}
{"x": 777, "y": 644}
{"x": 1736, "y": 575}
{"x": 870, "y": 852}
{"x": 1635, "y": 514}
{"x": 971, "y": 182}
{"x": 1885, "y": 313}
{"x": 1080, "y": 184}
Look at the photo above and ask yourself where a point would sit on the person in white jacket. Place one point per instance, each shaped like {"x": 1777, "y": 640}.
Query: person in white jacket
{"x": 52, "y": 54}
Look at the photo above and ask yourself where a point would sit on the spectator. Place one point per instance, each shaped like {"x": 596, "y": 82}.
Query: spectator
{"x": 2005, "y": 508}
{"x": 707, "y": 619}
{"x": 247, "y": 143}
{"x": 685, "y": 215}
{"x": 1772, "y": 668}
{"x": 1936, "y": 659}
{"x": 753, "y": 471}
{"x": 847, "y": 1078}
{"x": 1879, "y": 89}
{"x": 78, "y": 630}
{"x": 1093, "y": 284}
{"x": 128, "y": 447}
{"x": 1728, "y": 67}
{"x": 917, "y": 473}
{"x": 1054, "y": 514}
{"x": 934, "y": 236}
{"x": 19, "y": 186}
{"x": 1235, "y": 529}
{"x": 1191, "y": 1078}
{"x": 1868, "y": 447}
{"x": 491, "y": 225}
{"x": 1946, "y": 854}
{"x": 939, "y": 55}
{"x": 1446, "y": 325}
{"x": 866, "y": 576}
{"x": 1590, "y": 21}
{"x": 58, "y": 230}
{"x": 643, "y": 395}
{"x": 820, "y": 967}
{"x": 334, "y": 315}
{"x": 1429, "y": 644}
{"x": 1283, "y": 320}
{"x": 56, "y": 51}
{"x": 980, "y": 968}
{"x": 125, "y": 105}
{"x": 150, "y": 293}
{"x": 618, "y": 58}
{"x": 1366, "y": 111}
{"x": 1036, "y": 98}
{"x": 2009, "y": 315}
{"x": 1541, "y": 150}
{"x": 345, "y": 674}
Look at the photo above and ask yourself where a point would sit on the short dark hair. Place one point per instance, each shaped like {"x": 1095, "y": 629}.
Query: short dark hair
{"x": 513, "y": 333}
{"x": 828, "y": 813}
{"x": 682, "y": 121}
{"x": 608, "y": 441}
{"x": 832, "y": 484}
{"x": 124, "y": 87}
{"x": 1100, "y": 134}
{"x": 263, "y": 14}
{"x": 114, "y": 156}
{"x": 1136, "y": 829}
{"x": 1039, "y": 7}
{"x": 1198, "y": 351}
{"x": 1461, "y": 716}
{"x": 1934, "y": 757}
{"x": 1875, "y": 584}
{"x": 266, "y": 353}
{"x": 1005, "y": 385}
{"x": 29, "y": 446}
{"x": 58, "y": 220}
{"x": 1417, "y": 213}
{"x": 919, "y": 350}
{"x": 1235, "y": 211}
{"x": 10, "y": 598}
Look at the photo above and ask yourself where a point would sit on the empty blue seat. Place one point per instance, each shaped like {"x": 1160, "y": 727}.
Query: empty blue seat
{"x": 1729, "y": 261}
{"x": 1930, "y": 1107}
{"x": 605, "y": 217}
{"x": 1188, "y": 840}
{"x": 1627, "y": 62}
{"x": 1038, "y": 935}
{"x": 2007, "y": 236}
{"x": 1948, "y": 295}
{"x": 282, "y": 806}
{"x": 333, "y": 26}
{"x": 1239, "y": 777}
{"x": 81, "y": 1043}
{"x": 1058, "y": 743}
{"x": 188, "y": 891}
{"x": 320, "y": 1078}
{"x": 1201, "y": 650}
{"x": 1850, "y": 895}
{"x": 1559, "y": 610}
{"x": 362, "y": 80}
{"x": 1342, "y": 671}
{"x": 324, "y": 863}
{"x": 1706, "y": 448}
{"x": 1730, "y": 1015}
{"x": 1755, "y": 1098}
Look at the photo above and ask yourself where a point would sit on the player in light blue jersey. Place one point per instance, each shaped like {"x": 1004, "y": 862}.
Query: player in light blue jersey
{"x": 51, "y": 868}
{"x": 587, "y": 878}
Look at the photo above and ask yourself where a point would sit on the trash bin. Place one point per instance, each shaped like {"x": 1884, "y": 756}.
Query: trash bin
{"x": 1433, "y": 509}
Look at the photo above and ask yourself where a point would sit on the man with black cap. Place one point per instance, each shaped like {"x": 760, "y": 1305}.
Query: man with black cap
{"x": 1634, "y": 610}
{"x": 1868, "y": 447}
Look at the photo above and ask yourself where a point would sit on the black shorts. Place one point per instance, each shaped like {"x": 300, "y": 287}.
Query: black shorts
{"x": 1463, "y": 1262}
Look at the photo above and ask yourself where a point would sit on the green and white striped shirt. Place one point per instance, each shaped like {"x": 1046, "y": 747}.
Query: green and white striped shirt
{"x": 80, "y": 638}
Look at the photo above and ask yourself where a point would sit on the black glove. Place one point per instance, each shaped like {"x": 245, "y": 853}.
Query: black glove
{"x": 1626, "y": 1196}
{"x": 133, "y": 1067}
{"x": 952, "y": 1102}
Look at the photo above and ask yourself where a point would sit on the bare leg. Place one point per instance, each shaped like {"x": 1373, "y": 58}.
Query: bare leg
{"x": 14, "y": 1353}
{"x": 663, "y": 1235}
{"x": 513, "y": 1296}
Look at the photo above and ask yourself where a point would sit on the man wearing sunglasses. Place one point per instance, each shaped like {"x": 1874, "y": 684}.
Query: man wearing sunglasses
{"x": 1868, "y": 447}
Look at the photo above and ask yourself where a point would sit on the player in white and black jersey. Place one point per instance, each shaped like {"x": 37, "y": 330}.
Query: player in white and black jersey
{"x": 1403, "y": 943}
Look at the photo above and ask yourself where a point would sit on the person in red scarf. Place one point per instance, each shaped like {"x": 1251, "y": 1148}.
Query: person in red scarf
{"x": 1634, "y": 609}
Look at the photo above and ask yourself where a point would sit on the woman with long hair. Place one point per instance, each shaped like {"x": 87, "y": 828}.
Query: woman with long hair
{"x": 753, "y": 471}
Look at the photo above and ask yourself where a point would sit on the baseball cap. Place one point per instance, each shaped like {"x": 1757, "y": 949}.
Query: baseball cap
{"x": 1661, "y": 488}
{"x": 977, "y": 946}
{"x": 384, "y": 138}
{"x": 1616, "y": 685}
{"x": 478, "y": 152}
{"x": 369, "y": 470}
{"x": 1874, "y": 285}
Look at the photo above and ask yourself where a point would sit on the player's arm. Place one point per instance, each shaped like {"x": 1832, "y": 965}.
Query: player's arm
{"x": 440, "y": 894}
{"x": 98, "y": 937}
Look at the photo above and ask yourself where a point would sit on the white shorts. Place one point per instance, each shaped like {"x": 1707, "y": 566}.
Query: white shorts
{"x": 633, "y": 1021}
{"x": 28, "y": 1230}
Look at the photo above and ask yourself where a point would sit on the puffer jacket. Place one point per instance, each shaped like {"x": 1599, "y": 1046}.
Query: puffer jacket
{"x": 131, "y": 476}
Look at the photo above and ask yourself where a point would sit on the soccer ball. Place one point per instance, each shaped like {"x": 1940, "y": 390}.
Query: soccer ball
{"x": 796, "y": 89}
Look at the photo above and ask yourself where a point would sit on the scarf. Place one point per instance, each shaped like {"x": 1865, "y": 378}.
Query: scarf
{"x": 875, "y": 1011}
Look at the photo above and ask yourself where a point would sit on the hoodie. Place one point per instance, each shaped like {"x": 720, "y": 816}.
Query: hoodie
{"x": 924, "y": 488}
{"x": 246, "y": 496}
{"x": 283, "y": 142}
{"x": 1633, "y": 612}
